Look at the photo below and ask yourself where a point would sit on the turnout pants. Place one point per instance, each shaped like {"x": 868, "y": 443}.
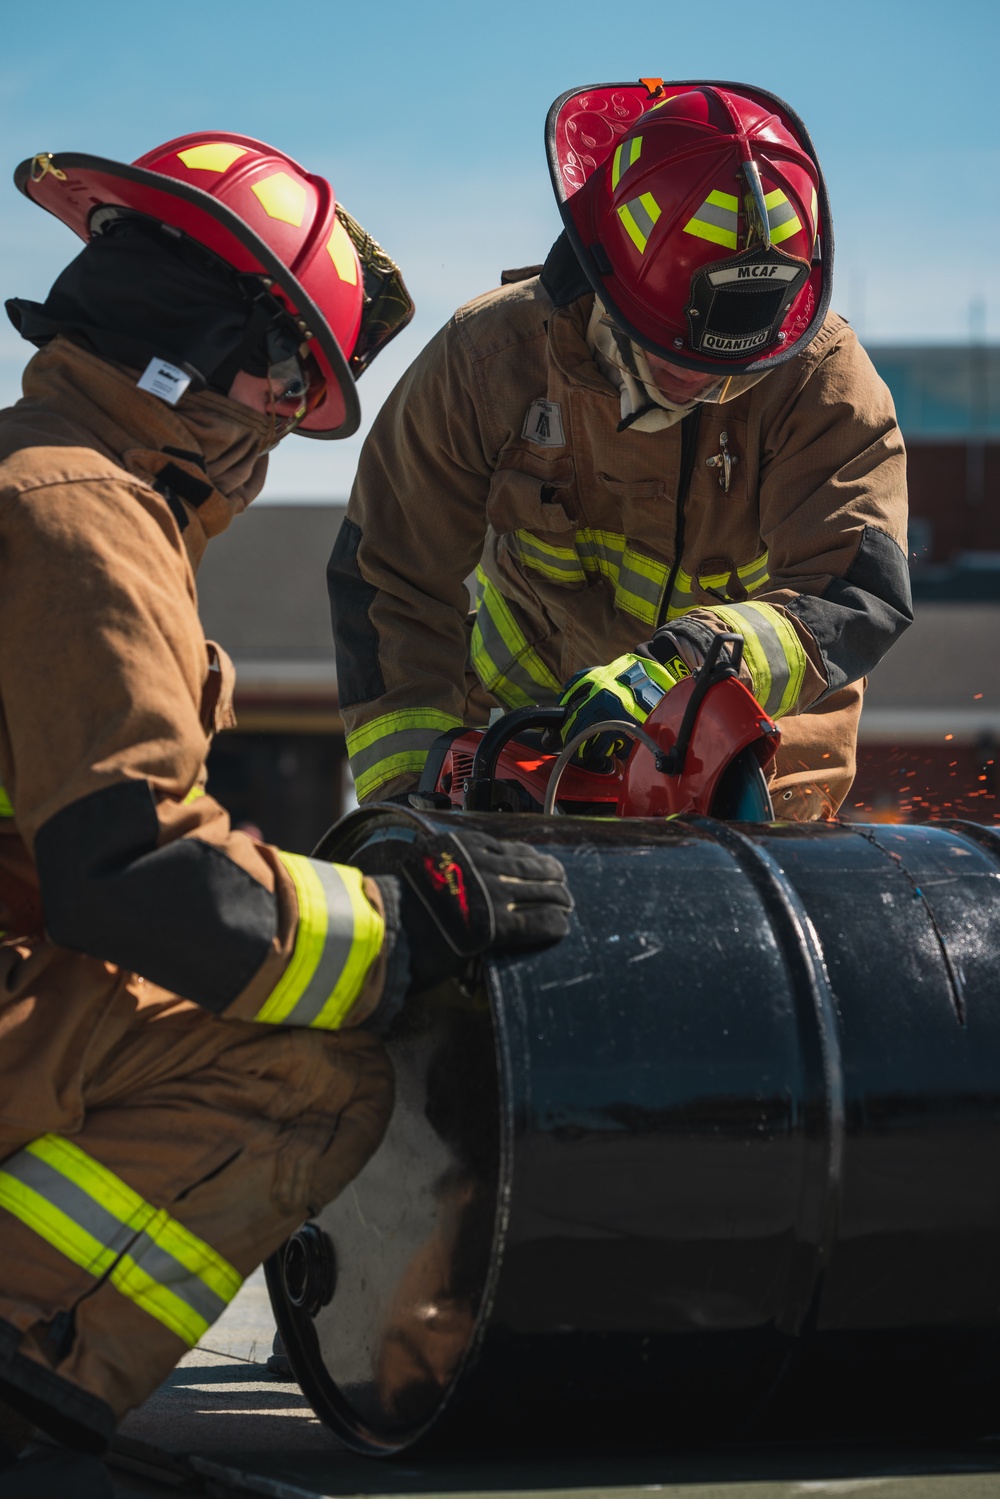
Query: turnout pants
{"x": 151, "y": 1155}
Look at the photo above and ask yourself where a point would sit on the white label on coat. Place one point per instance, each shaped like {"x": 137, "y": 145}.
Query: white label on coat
{"x": 543, "y": 424}
{"x": 163, "y": 379}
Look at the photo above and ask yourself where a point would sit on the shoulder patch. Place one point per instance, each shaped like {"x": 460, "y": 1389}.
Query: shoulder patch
{"x": 543, "y": 424}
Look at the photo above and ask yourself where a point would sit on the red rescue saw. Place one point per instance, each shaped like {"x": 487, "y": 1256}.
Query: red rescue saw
{"x": 704, "y": 749}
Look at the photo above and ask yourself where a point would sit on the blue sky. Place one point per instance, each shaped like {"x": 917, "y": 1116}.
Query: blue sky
{"x": 428, "y": 119}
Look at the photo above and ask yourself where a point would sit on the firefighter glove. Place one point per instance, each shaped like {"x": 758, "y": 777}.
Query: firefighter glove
{"x": 630, "y": 688}
{"x": 466, "y": 894}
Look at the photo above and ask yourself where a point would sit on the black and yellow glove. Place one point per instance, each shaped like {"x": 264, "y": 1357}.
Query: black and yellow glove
{"x": 630, "y": 687}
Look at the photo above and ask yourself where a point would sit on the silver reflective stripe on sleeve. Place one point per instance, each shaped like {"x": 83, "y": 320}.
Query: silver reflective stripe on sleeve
{"x": 338, "y": 937}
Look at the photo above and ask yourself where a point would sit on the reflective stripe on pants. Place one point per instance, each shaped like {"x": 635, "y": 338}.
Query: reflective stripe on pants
{"x": 96, "y": 1220}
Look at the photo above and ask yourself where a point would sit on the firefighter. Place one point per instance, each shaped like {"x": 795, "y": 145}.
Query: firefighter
{"x": 660, "y": 434}
{"x": 190, "y": 1062}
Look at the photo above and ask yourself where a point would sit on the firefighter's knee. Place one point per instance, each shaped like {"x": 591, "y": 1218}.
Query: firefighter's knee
{"x": 322, "y": 1153}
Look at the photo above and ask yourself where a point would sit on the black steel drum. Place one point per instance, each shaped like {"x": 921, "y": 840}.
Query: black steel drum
{"x": 726, "y": 1158}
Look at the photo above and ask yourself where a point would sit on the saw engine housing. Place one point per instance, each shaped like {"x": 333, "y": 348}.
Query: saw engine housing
{"x": 703, "y": 749}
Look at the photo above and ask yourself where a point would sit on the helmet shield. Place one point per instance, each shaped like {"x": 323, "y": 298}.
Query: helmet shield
{"x": 258, "y": 211}
{"x": 388, "y": 305}
{"x": 657, "y": 181}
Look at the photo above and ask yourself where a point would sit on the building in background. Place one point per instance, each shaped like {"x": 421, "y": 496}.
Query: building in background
{"x": 930, "y": 729}
{"x": 262, "y": 596}
{"x": 931, "y": 724}
{"x": 948, "y": 404}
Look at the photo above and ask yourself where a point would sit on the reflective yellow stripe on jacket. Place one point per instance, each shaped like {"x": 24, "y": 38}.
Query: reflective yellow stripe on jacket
{"x": 638, "y": 581}
{"x": 395, "y": 744}
{"x": 338, "y": 938}
{"x": 753, "y": 577}
{"x": 96, "y": 1220}
{"x": 772, "y": 650}
{"x": 6, "y": 808}
{"x": 505, "y": 662}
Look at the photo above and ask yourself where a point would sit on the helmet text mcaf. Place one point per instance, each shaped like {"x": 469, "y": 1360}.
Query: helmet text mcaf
{"x": 322, "y": 297}
{"x": 699, "y": 216}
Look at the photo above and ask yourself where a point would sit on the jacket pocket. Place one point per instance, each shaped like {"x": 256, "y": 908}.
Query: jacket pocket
{"x": 536, "y": 532}
{"x": 646, "y": 509}
{"x": 217, "y": 692}
{"x": 535, "y": 496}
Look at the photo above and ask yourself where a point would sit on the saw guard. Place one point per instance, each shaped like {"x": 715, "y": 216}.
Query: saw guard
{"x": 729, "y": 721}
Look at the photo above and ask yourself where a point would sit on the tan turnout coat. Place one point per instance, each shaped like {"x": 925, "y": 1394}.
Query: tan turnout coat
{"x": 500, "y": 450}
{"x": 152, "y": 1152}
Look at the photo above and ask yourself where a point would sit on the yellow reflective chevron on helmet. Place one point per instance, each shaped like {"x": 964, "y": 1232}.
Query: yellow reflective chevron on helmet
{"x": 717, "y": 220}
{"x": 639, "y": 217}
{"x": 211, "y": 156}
{"x": 782, "y": 220}
{"x": 281, "y": 197}
{"x": 341, "y": 252}
{"x": 626, "y": 155}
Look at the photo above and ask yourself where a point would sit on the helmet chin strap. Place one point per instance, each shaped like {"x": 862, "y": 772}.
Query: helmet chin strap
{"x": 644, "y": 407}
{"x": 643, "y": 404}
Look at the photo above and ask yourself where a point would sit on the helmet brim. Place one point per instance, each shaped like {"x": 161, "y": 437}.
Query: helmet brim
{"x": 569, "y": 171}
{"x": 72, "y": 185}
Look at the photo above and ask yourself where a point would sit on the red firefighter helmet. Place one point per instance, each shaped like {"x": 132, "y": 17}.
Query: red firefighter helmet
{"x": 261, "y": 213}
{"x": 699, "y": 215}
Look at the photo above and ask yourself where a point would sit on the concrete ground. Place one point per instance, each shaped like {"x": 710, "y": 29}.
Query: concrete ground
{"x": 220, "y": 1425}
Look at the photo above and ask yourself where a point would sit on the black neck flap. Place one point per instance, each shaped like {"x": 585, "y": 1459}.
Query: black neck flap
{"x": 562, "y": 275}
{"x": 140, "y": 291}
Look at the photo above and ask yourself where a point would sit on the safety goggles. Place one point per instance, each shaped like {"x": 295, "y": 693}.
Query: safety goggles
{"x": 294, "y": 394}
{"x": 388, "y": 305}
{"x": 632, "y": 360}
{"x": 296, "y": 381}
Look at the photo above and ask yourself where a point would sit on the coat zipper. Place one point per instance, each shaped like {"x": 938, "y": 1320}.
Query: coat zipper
{"x": 689, "y": 448}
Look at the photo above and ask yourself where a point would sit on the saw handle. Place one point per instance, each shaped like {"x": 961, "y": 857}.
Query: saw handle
{"x": 712, "y": 670}
{"x": 478, "y": 789}
{"x": 572, "y": 745}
